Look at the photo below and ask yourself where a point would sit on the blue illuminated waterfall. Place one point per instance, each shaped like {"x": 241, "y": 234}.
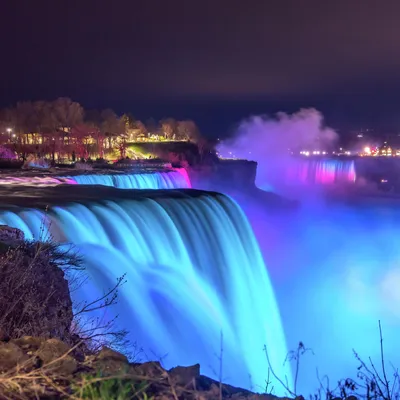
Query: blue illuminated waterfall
{"x": 194, "y": 272}
{"x": 153, "y": 180}
{"x": 170, "y": 179}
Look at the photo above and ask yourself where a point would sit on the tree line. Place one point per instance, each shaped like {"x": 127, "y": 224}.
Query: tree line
{"x": 66, "y": 117}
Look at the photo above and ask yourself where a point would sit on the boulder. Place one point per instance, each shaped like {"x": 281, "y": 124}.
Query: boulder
{"x": 8, "y": 234}
{"x": 3, "y": 335}
{"x": 152, "y": 369}
{"x": 110, "y": 354}
{"x": 11, "y": 355}
{"x": 110, "y": 362}
{"x": 185, "y": 376}
{"x": 43, "y": 307}
{"x": 55, "y": 356}
{"x": 54, "y": 360}
{"x": 29, "y": 343}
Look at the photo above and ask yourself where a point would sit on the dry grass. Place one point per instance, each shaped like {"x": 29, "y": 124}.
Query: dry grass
{"x": 25, "y": 383}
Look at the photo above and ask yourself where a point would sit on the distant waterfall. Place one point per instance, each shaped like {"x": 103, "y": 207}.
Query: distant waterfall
{"x": 194, "y": 271}
{"x": 321, "y": 172}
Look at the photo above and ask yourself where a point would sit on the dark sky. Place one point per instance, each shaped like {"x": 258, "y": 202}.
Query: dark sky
{"x": 212, "y": 60}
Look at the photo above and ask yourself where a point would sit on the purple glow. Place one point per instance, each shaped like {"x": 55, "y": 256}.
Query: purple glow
{"x": 185, "y": 174}
{"x": 336, "y": 272}
{"x": 324, "y": 172}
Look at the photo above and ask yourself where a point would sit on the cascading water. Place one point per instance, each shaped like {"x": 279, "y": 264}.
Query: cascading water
{"x": 155, "y": 180}
{"x": 174, "y": 179}
{"x": 194, "y": 273}
{"x": 321, "y": 172}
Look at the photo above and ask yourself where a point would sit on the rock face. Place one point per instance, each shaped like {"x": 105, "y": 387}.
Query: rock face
{"x": 53, "y": 372}
{"x": 34, "y": 295}
{"x": 8, "y": 234}
{"x": 226, "y": 174}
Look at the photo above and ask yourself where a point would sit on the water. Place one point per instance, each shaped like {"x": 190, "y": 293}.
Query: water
{"x": 335, "y": 267}
{"x": 155, "y": 180}
{"x": 285, "y": 174}
{"x": 340, "y": 265}
{"x": 175, "y": 179}
{"x": 194, "y": 271}
{"x": 322, "y": 172}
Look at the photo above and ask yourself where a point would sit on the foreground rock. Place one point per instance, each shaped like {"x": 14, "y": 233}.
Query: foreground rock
{"x": 34, "y": 294}
{"x": 39, "y": 368}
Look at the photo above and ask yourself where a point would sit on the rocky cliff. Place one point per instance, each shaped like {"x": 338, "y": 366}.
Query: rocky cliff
{"x": 34, "y": 294}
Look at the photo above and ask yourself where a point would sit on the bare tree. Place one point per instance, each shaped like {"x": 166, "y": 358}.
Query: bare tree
{"x": 188, "y": 130}
{"x": 67, "y": 113}
{"x": 169, "y": 127}
{"x": 112, "y": 126}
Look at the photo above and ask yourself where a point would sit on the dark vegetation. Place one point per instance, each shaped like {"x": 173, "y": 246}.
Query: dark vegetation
{"x": 373, "y": 379}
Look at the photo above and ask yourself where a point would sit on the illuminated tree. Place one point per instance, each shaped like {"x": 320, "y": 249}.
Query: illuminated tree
{"x": 188, "y": 130}
{"x": 152, "y": 127}
{"x": 112, "y": 126}
{"x": 67, "y": 113}
{"x": 140, "y": 128}
{"x": 168, "y": 127}
{"x": 81, "y": 135}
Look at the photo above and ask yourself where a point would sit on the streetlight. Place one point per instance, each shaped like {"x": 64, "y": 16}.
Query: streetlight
{"x": 9, "y": 130}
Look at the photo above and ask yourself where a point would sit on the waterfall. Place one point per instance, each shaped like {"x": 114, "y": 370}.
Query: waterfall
{"x": 321, "y": 172}
{"x": 154, "y": 180}
{"x": 194, "y": 272}
{"x": 174, "y": 179}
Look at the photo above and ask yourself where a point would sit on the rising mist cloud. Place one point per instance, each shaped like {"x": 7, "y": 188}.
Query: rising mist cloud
{"x": 270, "y": 140}
{"x": 262, "y": 136}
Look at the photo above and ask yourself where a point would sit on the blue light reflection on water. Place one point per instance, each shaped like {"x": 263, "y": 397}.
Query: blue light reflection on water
{"x": 336, "y": 271}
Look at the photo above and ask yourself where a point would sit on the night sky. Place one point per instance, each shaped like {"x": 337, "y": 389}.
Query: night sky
{"x": 215, "y": 61}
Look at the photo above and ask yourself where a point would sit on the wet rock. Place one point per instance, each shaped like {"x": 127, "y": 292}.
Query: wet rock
{"x": 55, "y": 357}
{"x": 110, "y": 362}
{"x": 3, "y": 336}
{"x": 185, "y": 376}
{"x": 43, "y": 307}
{"x": 8, "y": 234}
{"x": 52, "y": 349}
{"x": 10, "y": 356}
{"x": 109, "y": 354}
{"x": 56, "y": 361}
{"x": 29, "y": 343}
{"x": 152, "y": 369}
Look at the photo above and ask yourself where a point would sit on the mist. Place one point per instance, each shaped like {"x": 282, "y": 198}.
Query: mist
{"x": 271, "y": 140}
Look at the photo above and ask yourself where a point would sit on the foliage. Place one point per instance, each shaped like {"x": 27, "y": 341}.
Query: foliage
{"x": 93, "y": 325}
{"x": 109, "y": 388}
{"x": 63, "y": 115}
{"x": 370, "y": 383}
{"x": 7, "y": 154}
